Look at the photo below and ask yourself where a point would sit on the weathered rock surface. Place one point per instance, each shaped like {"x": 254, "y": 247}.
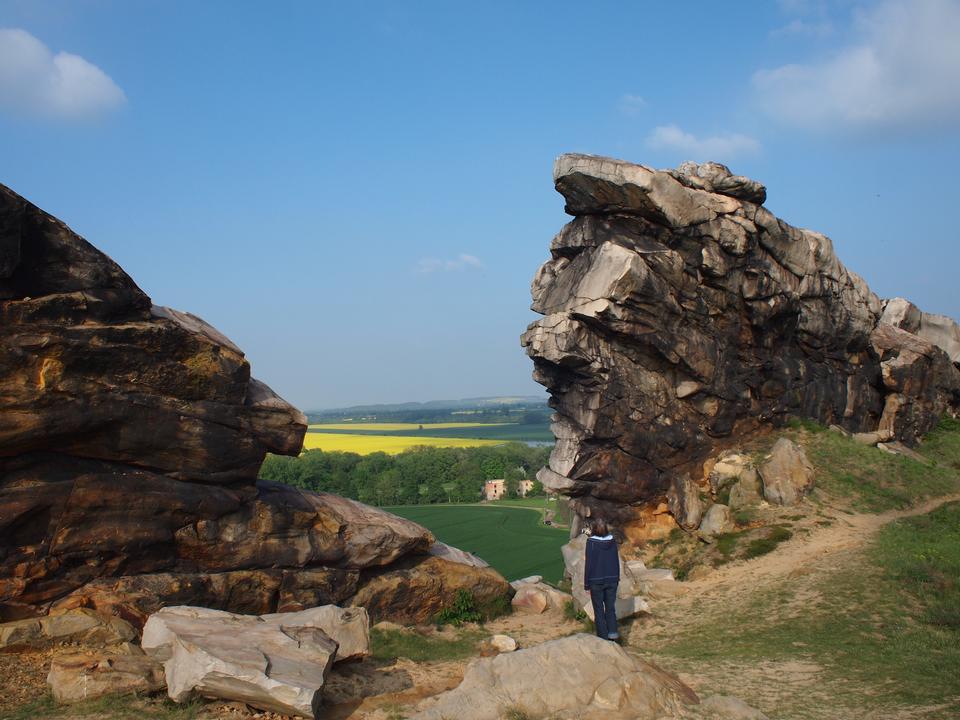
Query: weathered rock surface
{"x": 130, "y": 440}
{"x": 717, "y": 520}
{"x": 537, "y": 597}
{"x": 787, "y": 473}
{"x": 84, "y": 676}
{"x": 938, "y": 330}
{"x": 579, "y": 676}
{"x": 348, "y": 627}
{"x": 415, "y": 589}
{"x": 80, "y": 625}
{"x": 278, "y": 664}
{"x": 681, "y": 316}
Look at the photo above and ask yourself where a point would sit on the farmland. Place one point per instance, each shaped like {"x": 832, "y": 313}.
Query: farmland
{"x": 396, "y": 427}
{"x": 365, "y": 443}
{"x": 511, "y": 539}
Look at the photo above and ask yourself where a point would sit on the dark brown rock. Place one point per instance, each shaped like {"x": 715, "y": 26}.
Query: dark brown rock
{"x": 681, "y": 316}
{"x": 130, "y": 440}
{"x": 415, "y": 590}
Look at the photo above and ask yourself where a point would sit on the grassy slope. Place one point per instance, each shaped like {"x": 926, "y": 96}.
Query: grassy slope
{"x": 511, "y": 539}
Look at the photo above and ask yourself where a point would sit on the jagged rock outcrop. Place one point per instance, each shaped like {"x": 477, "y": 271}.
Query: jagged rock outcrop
{"x": 680, "y": 315}
{"x": 130, "y": 440}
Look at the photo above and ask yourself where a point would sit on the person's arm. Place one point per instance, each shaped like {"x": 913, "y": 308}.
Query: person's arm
{"x": 586, "y": 566}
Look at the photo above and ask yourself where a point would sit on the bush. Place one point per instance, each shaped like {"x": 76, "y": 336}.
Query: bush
{"x": 463, "y": 610}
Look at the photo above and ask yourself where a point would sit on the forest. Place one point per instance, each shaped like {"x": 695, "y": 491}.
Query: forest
{"x": 420, "y": 476}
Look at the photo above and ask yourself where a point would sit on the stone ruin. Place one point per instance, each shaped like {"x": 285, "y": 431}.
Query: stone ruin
{"x": 130, "y": 440}
{"x": 680, "y": 317}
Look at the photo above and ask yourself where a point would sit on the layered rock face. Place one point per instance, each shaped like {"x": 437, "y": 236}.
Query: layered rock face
{"x": 130, "y": 440}
{"x": 680, "y": 315}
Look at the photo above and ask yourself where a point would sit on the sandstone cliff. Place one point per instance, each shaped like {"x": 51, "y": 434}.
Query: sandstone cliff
{"x": 130, "y": 440}
{"x": 680, "y": 315}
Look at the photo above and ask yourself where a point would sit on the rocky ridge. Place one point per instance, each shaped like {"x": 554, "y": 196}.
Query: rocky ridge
{"x": 681, "y": 316}
{"x": 130, "y": 440}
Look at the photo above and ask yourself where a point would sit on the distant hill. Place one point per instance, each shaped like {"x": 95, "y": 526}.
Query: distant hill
{"x": 512, "y": 408}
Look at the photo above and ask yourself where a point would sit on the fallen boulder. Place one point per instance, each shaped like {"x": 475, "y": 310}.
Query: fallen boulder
{"x": 787, "y": 473}
{"x": 269, "y": 664}
{"x": 628, "y": 603}
{"x": 537, "y": 597}
{"x": 577, "y": 676}
{"x": 81, "y": 625}
{"x": 84, "y": 676}
{"x": 348, "y": 627}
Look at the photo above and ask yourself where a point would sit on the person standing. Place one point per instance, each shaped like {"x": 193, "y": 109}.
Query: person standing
{"x": 601, "y": 575}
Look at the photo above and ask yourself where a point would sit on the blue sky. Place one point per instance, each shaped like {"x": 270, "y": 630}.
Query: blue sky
{"x": 359, "y": 194}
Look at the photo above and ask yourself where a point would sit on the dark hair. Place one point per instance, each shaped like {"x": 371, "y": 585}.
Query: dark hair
{"x": 599, "y": 527}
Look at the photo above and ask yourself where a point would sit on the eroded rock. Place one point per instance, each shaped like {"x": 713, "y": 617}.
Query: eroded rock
{"x": 84, "y": 676}
{"x": 787, "y": 473}
{"x": 680, "y": 316}
{"x": 576, "y": 676}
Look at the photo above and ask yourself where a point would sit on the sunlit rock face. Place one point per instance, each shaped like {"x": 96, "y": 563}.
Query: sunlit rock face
{"x": 680, "y": 315}
{"x": 130, "y": 440}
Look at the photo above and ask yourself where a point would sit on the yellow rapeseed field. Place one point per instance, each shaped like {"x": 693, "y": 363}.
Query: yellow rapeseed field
{"x": 390, "y": 444}
{"x": 390, "y": 427}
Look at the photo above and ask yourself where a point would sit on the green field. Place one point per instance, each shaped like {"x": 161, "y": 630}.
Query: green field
{"x": 393, "y": 444}
{"x": 511, "y": 539}
{"x": 520, "y": 432}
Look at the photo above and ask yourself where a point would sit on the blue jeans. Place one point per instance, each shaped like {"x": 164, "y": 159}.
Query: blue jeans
{"x": 604, "y": 599}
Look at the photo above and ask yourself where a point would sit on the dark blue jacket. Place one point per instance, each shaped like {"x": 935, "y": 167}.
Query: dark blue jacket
{"x": 602, "y": 562}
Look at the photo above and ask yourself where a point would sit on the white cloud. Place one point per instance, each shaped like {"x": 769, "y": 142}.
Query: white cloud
{"x": 904, "y": 71}
{"x": 461, "y": 262}
{"x": 714, "y": 147}
{"x": 34, "y": 81}
{"x": 631, "y": 104}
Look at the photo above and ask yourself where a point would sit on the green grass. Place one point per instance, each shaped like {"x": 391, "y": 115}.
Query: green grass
{"x": 116, "y": 707}
{"x": 887, "y": 630}
{"x": 511, "y": 539}
{"x": 875, "y": 481}
{"x": 764, "y": 545}
{"x": 391, "y": 644}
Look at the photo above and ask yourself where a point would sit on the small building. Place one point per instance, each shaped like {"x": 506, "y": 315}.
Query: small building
{"x": 494, "y": 489}
{"x": 497, "y": 489}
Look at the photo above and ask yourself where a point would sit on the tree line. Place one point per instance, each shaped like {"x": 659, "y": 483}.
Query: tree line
{"x": 419, "y": 476}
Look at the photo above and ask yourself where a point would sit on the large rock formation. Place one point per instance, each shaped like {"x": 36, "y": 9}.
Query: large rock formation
{"x": 681, "y": 315}
{"x": 130, "y": 440}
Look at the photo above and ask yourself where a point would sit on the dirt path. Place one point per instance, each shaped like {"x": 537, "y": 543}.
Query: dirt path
{"x": 797, "y": 688}
{"x": 802, "y": 555}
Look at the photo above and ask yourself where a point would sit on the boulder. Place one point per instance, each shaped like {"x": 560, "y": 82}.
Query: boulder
{"x": 787, "y": 474}
{"x": 503, "y": 643}
{"x": 746, "y": 491}
{"x": 80, "y": 625}
{"x": 680, "y": 318}
{"x": 348, "y": 627}
{"x": 84, "y": 676}
{"x": 940, "y": 330}
{"x": 628, "y": 603}
{"x": 447, "y": 552}
{"x": 717, "y": 520}
{"x": 577, "y": 676}
{"x": 537, "y": 597}
{"x": 278, "y": 665}
{"x": 130, "y": 443}
{"x": 416, "y": 589}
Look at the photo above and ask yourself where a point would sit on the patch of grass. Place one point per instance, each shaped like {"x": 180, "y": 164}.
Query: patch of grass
{"x": 391, "y": 644}
{"x": 511, "y": 539}
{"x": 886, "y": 630}
{"x": 764, "y": 545}
{"x": 876, "y": 481}
{"x": 516, "y": 714}
{"x": 727, "y": 543}
{"x": 463, "y": 610}
{"x": 116, "y": 707}
{"x": 744, "y": 516}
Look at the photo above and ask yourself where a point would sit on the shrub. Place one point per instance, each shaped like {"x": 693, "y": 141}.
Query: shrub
{"x": 464, "y": 609}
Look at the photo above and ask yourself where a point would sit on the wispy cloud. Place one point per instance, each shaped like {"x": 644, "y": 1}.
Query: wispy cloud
{"x": 631, "y": 104}
{"x": 903, "y": 72}
{"x": 713, "y": 147}
{"x": 458, "y": 264}
{"x": 36, "y": 82}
